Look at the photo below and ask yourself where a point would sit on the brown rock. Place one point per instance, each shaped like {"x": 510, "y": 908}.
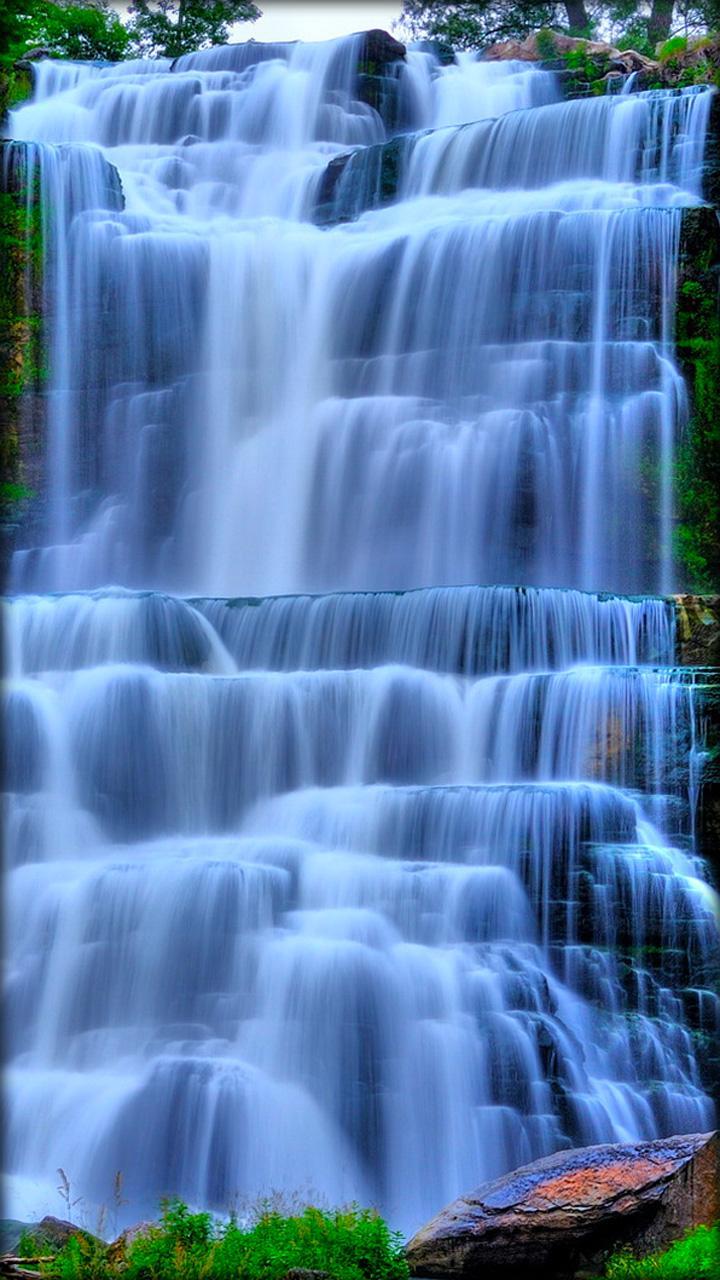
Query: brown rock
{"x": 698, "y": 630}
{"x": 563, "y": 1215}
{"x": 380, "y": 48}
{"x": 528, "y": 51}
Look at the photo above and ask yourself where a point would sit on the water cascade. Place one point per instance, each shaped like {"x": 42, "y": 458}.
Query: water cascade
{"x": 329, "y": 874}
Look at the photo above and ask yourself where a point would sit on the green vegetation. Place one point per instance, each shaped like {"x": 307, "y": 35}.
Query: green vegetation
{"x": 587, "y": 72}
{"x": 69, "y": 31}
{"x": 21, "y": 361}
{"x": 546, "y": 44}
{"x": 641, "y": 27}
{"x": 695, "y": 1257}
{"x": 672, "y": 47}
{"x": 697, "y": 466}
{"x": 348, "y": 1244}
{"x": 90, "y": 30}
{"x": 472, "y": 25}
{"x": 168, "y": 28}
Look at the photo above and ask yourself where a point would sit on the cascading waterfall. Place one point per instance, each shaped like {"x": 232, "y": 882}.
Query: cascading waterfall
{"x": 326, "y": 873}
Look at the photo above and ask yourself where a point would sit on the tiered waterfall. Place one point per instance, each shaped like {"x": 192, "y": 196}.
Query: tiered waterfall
{"x": 341, "y": 864}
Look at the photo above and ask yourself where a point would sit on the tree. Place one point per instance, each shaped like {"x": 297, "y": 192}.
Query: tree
{"x": 660, "y": 21}
{"x": 482, "y": 22}
{"x": 67, "y": 30}
{"x": 168, "y": 28}
{"x": 644, "y": 25}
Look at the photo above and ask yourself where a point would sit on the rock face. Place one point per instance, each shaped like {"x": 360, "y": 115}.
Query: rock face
{"x": 563, "y": 1215}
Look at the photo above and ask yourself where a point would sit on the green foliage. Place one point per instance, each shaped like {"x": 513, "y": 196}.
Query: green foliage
{"x": 623, "y": 22}
{"x": 472, "y": 25}
{"x": 697, "y": 465}
{"x": 672, "y": 47}
{"x": 68, "y": 31}
{"x": 695, "y": 1257}
{"x": 350, "y": 1244}
{"x": 168, "y": 28}
{"x": 546, "y": 44}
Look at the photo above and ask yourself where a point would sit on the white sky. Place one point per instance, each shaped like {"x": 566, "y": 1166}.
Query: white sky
{"x": 305, "y": 20}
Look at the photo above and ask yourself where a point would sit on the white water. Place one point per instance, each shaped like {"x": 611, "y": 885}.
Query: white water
{"x": 328, "y": 892}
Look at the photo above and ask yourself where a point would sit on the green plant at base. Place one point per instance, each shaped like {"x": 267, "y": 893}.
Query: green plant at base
{"x": 695, "y": 1257}
{"x": 350, "y": 1244}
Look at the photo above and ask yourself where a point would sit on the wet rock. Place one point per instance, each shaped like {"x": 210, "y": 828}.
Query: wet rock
{"x": 380, "y": 48}
{"x": 698, "y": 630}
{"x": 565, "y": 1214}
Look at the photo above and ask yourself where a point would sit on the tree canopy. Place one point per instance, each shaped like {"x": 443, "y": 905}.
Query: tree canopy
{"x": 79, "y": 30}
{"x": 482, "y": 22}
{"x": 91, "y": 29}
{"x": 171, "y": 27}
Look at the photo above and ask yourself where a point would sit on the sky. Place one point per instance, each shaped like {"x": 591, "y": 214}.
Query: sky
{"x": 301, "y": 20}
{"x": 305, "y": 20}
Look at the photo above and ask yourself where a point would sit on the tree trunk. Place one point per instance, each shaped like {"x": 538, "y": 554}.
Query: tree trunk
{"x": 577, "y": 15}
{"x": 660, "y": 21}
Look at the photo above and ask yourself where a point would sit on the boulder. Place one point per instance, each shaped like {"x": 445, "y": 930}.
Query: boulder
{"x": 562, "y": 1216}
{"x": 534, "y": 49}
{"x": 379, "y": 48}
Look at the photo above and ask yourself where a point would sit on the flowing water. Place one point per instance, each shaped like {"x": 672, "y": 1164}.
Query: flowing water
{"x": 328, "y": 874}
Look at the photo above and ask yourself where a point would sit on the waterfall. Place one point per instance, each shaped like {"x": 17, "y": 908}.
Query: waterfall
{"x": 338, "y": 864}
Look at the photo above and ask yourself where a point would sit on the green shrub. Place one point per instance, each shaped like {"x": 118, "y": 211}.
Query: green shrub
{"x": 350, "y": 1244}
{"x": 546, "y": 44}
{"x": 695, "y": 1257}
{"x": 672, "y": 48}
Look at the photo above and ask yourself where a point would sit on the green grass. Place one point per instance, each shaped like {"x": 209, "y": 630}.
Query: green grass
{"x": 349, "y": 1244}
{"x": 695, "y": 1257}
